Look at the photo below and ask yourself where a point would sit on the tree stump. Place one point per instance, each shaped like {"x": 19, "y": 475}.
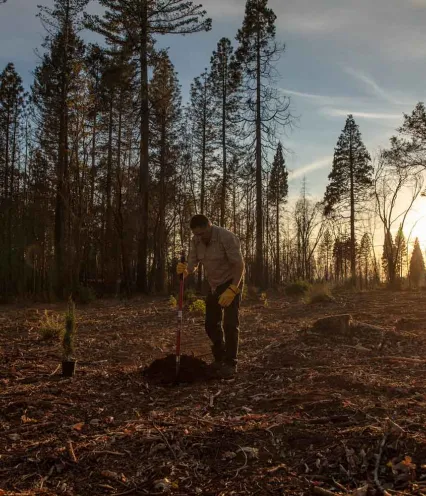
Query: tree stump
{"x": 334, "y": 324}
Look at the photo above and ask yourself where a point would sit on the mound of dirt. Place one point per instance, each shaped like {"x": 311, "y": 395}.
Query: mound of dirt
{"x": 163, "y": 370}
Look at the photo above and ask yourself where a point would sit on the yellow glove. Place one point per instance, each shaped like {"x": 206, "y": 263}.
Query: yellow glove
{"x": 227, "y": 297}
{"x": 182, "y": 268}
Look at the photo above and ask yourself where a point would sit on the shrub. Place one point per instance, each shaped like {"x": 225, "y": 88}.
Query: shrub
{"x": 298, "y": 288}
{"x": 264, "y": 299}
{"x": 172, "y": 301}
{"x": 69, "y": 335}
{"x": 319, "y": 293}
{"x": 198, "y": 306}
{"x": 50, "y": 326}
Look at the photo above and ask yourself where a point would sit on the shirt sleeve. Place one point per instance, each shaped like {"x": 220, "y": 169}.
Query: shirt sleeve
{"x": 192, "y": 257}
{"x": 232, "y": 246}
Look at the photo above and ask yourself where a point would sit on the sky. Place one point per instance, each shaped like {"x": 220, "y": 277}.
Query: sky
{"x": 366, "y": 57}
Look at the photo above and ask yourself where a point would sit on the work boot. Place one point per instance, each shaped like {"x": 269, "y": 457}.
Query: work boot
{"x": 227, "y": 371}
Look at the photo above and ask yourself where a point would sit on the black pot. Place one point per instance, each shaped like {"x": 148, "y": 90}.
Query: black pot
{"x": 68, "y": 368}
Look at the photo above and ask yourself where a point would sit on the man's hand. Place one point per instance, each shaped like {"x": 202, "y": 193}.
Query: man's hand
{"x": 182, "y": 269}
{"x": 227, "y": 297}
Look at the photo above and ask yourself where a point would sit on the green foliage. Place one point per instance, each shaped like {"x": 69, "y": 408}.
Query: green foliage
{"x": 264, "y": 299}
{"x": 298, "y": 288}
{"x": 172, "y": 301}
{"x": 198, "y": 306}
{"x": 278, "y": 183}
{"x": 417, "y": 265}
{"x": 70, "y": 329}
{"x": 351, "y": 163}
{"x": 50, "y": 326}
{"x": 319, "y": 293}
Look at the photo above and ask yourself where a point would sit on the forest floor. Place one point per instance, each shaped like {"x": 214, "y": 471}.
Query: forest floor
{"x": 307, "y": 413}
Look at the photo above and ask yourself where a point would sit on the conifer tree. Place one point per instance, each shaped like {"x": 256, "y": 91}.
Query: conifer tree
{"x": 278, "y": 191}
{"x": 133, "y": 25}
{"x": 165, "y": 116}
{"x": 226, "y": 81}
{"x": 349, "y": 179}
{"x": 54, "y": 83}
{"x": 11, "y": 114}
{"x": 202, "y": 110}
{"x": 417, "y": 265}
{"x": 265, "y": 109}
{"x": 326, "y": 251}
{"x": 401, "y": 252}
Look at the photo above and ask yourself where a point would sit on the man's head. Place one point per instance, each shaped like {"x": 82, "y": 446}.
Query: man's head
{"x": 201, "y": 228}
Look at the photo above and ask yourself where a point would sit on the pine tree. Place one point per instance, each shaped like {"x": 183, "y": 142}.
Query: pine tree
{"x": 364, "y": 258}
{"x": 133, "y": 25}
{"x": 54, "y": 83}
{"x": 278, "y": 192}
{"x": 165, "y": 102}
{"x": 226, "y": 81}
{"x": 388, "y": 257}
{"x": 417, "y": 265}
{"x": 325, "y": 251}
{"x": 202, "y": 110}
{"x": 349, "y": 179}
{"x": 401, "y": 252}
{"x": 11, "y": 115}
{"x": 265, "y": 108}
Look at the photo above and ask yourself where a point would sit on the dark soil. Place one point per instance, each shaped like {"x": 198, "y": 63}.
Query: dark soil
{"x": 163, "y": 370}
{"x": 308, "y": 412}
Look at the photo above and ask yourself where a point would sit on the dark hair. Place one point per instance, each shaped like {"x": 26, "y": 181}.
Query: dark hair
{"x": 199, "y": 221}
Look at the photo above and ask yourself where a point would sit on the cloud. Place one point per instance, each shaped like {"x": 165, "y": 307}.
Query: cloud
{"x": 225, "y": 10}
{"x": 335, "y": 112}
{"x": 326, "y": 100}
{"x": 373, "y": 87}
{"x": 306, "y": 169}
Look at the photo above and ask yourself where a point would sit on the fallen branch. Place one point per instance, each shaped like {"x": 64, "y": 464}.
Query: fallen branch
{"x": 323, "y": 492}
{"x": 30, "y": 427}
{"x": 402, "y": 359}
{"x": 166, "y": 441}
{"x": 114, "y": 453}
{"x": 71, "y": 452}
{"x": 378, "y": 460}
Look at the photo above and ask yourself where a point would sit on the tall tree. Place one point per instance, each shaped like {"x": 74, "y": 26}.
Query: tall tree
{"x": 325, "y": 251}
{"x": 165, "y": 101}
{"x": 401, "y": 252}
{"x": 11, "y": 113}
{"x": 265, "y": 109}
{"x": 364, "y": 258}
{"x": 226, "y": 81}
{"x": 350, "y": 178}
{"x": 202, "y": 110}
{"x": 417, "y": 264}
{"x": 309, "y": 226}
{"x": 391, "y": 181}
{"x": 52, "y": 90}
{"x": 133, "y": 26}
{"x": 278, "y": 192}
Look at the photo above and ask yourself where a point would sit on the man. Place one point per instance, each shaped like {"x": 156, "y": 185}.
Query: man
{"x": 219, "y": 251}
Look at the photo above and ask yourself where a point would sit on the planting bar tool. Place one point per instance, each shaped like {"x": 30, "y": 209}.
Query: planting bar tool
{"x": 180, "y": 318}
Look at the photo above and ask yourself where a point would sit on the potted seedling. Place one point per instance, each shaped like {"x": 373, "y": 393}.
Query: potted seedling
{"x": 68, "y": 362}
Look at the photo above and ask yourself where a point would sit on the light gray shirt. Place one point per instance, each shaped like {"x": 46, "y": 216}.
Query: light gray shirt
{"x": 218, "y": 257}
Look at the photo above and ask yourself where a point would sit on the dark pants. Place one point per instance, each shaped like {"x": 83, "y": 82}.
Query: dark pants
{"x": 224, "y": 337}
